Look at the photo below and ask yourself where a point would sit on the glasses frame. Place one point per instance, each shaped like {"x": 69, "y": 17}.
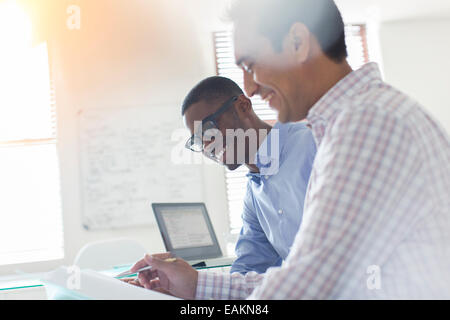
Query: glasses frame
{"x": 213, "y": 118}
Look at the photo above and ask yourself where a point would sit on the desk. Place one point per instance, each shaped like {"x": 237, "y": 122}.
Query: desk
{"x": 22, "y": 289}
{"x": 33, "y": 289}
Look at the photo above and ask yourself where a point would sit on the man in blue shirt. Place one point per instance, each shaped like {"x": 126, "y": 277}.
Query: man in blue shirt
{"x": 279, "y": 167}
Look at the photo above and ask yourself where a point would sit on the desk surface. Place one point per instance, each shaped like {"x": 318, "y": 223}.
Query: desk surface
{"x": 29, "y": 282}
{"x": 32, "y": 280}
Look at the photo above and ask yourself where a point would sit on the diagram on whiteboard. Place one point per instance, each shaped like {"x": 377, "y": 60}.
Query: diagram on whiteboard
{"x": 126, "y": 159}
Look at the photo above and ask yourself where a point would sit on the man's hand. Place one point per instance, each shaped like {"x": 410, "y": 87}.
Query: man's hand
{"x": 177, "y": 277}
{"x": 133, "y": 281}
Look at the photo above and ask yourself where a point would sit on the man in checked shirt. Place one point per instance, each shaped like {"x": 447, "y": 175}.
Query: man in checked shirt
{"x": 376, "y": 220}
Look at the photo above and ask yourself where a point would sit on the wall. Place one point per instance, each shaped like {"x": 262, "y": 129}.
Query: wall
{"x": 416, "y": 60}
{"x": 129, "y": 53}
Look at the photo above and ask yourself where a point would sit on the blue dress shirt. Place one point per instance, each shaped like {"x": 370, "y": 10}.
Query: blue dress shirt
{"x": 273, "y": 205}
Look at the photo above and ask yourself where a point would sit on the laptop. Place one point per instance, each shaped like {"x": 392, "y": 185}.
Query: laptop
{"x": 187, "y": 233}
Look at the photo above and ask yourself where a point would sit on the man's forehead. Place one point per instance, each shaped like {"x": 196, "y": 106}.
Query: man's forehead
{"x": 244, "y": 41}
{"x": 247, "y": 43}
{"x": 202, "y": 109}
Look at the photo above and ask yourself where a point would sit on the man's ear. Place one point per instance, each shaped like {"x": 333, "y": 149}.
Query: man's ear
{"x": 243, "y": 106}
{"x": 297, "y": 42}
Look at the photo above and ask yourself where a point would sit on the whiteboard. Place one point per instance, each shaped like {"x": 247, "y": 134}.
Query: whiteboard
{"x": 131, "y": 157}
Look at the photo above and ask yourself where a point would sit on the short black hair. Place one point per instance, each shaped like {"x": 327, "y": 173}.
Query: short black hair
{"x": 274, "y": 18}
{"x": 212, "y": 90}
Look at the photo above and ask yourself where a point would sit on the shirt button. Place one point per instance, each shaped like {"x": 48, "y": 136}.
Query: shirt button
{"x": 280, "y": 211}
{"x": 267, "y": 177}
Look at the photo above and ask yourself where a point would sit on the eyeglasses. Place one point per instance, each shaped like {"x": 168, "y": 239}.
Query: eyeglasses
{"x": 202, "y": 133}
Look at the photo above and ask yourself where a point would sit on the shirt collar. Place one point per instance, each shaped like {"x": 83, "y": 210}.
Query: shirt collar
{"x": 348, "y": 87}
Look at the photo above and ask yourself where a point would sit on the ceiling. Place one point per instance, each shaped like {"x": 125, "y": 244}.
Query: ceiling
{"x": 392, "y": 10}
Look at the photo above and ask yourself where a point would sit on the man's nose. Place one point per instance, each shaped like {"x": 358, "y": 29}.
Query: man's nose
{"x": 250, "y": 86}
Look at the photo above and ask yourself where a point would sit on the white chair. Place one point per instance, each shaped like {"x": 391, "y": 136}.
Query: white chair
{"x": 104, "y": 255}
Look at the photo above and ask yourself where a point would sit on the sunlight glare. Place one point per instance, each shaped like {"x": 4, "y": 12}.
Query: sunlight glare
{"x": 24, "y": 78}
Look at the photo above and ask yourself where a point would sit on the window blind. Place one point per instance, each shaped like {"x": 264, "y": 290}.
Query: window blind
{"x": 31, "y": 226}
{"x": 236, "y": 181}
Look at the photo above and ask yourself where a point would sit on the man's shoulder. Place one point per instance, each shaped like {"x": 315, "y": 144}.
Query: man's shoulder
{"x": 292, "y": 126}
{"x": 374, "y": 108}
{"x": 384, "y": 99}
{"x": 301, "y": 139}
{"x": 298, "y": 142}
{"x": 295, "y": 132}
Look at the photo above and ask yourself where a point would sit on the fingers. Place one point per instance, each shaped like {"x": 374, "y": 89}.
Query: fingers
{"x": 155, "y": 284}
{"x": 128, "y": 280}
{"x": 132, "y": 281}
{"x": 138, "y": 265}
{"x": 158, "y": 262}
{"x": 174, "y": 276}
{"x": 136, "y": 282}
{"x": 142, "y": 263}
{"x": 146, "y": 277}
{"x": 162, "y": 256}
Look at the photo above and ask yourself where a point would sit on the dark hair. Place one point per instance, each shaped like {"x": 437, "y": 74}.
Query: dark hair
{"x": 274, "y": 18}
{"x": 212, "y": 90}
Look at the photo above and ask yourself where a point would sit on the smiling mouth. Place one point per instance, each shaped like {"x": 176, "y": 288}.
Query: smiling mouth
{"x": 269, "y": 97}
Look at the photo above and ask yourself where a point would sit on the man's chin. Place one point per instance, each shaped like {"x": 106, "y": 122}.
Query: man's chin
{"x": 283, "y": 117}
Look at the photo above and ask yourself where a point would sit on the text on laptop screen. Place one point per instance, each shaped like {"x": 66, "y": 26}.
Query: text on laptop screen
{"x": 186, "y": 227}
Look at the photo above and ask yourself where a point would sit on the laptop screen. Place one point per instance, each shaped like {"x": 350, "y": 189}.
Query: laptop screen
{"x": 186, "y": 230}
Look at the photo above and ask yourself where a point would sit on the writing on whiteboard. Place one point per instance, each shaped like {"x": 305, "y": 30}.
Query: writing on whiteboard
{"x": 126, "y": 161}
